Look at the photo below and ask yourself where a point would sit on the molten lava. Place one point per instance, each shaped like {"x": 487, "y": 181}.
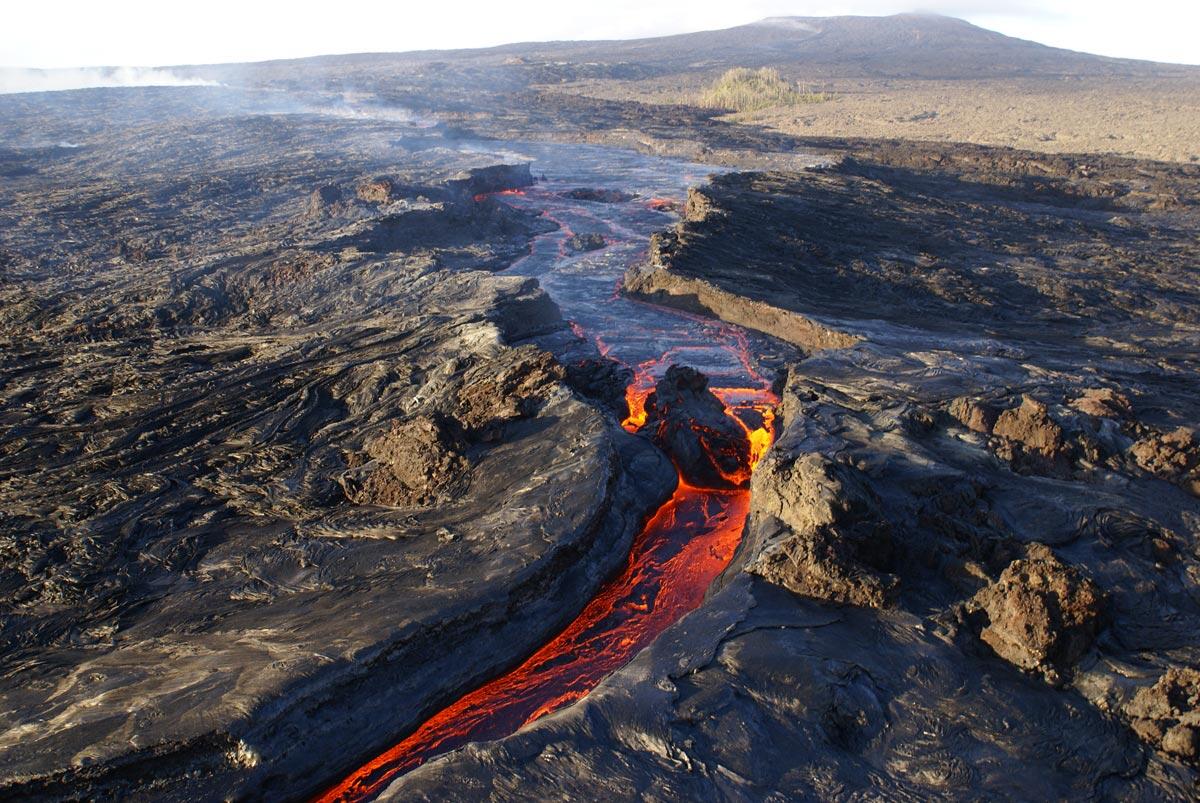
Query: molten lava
{"x": 681, "y": 548}
{"x": 675, "y": 557}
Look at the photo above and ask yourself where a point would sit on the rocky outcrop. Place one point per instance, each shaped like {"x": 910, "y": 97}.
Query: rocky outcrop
{"x": 690, "y": 424}
{"x": 585, "y": 242}
{"x": 413, "y": 464}
{"x": 1031, "y": 426}
{"x": 1167, "y": 714}
{"x": 1173, "y": 456}
{"x": 1103, "y": 403}
{"x": 493, "y": 178}
{"x": 325, "y": 202}
{"x": 600, "y": 196}
{"x": 1028, "y": 435}
{"x": 832, "y": 541}
{"x": 603, "y": 379}
{"x": 655, "y": 282}
{"x": 498, "y": 392}
{"x": 974, "y": 414}
{"x": 381, "y": 190}
{"x": 1042, "y": 614}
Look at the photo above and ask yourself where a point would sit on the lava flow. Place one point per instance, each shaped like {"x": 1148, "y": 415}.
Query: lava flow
{"x": 675, "y": 557}
{"x": 681, "y": 548}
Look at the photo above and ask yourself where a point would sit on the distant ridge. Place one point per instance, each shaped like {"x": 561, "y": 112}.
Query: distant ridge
{"x": 925, "y": 46}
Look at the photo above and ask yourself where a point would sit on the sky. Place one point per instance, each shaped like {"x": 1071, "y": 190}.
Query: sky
{"x": 78, "y": 33}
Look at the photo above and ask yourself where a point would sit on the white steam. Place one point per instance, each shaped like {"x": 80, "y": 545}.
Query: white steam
{"x": 19, "y": 79}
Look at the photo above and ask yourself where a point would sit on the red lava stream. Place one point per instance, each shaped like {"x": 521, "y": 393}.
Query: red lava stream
{"x": 680, "y": 549}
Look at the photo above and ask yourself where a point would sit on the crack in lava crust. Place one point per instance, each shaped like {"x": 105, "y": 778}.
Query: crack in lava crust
{"x": 681, "y": 548}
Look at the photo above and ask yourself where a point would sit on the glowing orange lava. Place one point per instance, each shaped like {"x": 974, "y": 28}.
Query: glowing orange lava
{"x": 665, "y": 578}
{"x": 675, "y": 557}
{"x": 681, "y": 548}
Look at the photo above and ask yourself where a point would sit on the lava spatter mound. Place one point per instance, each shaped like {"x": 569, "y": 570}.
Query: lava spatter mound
{"x": 687, "y": 421}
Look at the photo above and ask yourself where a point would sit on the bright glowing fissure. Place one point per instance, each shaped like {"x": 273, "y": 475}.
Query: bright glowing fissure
{"x": 681, "y": 548}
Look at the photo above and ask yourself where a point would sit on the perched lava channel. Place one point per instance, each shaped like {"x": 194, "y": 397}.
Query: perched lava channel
{"x": 675, "y": 557}
{"x": 681, "y": 548}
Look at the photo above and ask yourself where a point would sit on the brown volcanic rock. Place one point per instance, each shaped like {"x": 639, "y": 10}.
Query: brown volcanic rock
{"x": 414, "y": 463}
{"x": 1103, "y": 403}
{"x": 833, "y": 539}
{"x": 325, "y": 202}
{"x": 689, "y": 423}
{"x": 1173, "y": 456}
{"x": 975, "y": 415}
{"x": 1042, "y": 613}
{"x": 379, "y": 190}
{"x": 494, "y": 394}
{"x": 1167, "y": 714}
{"x": 1029, "y": 434}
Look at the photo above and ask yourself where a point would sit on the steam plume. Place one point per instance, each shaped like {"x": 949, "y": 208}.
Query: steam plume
{"x": 14, "y": 80}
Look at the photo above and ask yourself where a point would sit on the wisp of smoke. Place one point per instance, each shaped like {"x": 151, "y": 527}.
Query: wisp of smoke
{"x": 18, "y": 79}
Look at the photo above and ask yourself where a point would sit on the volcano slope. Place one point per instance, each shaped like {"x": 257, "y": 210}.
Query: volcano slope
{"x": 261, "y": 399}
{"x": 971, "y": 566}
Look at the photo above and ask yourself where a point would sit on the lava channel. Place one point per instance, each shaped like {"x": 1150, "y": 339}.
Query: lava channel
{"x": 680, "y": 550}
{"x": 677, "y": 554}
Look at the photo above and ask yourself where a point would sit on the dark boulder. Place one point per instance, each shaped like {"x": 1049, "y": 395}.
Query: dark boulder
{"x": 688, "y": 422}
{"x": 604, "y": 380}
{"x": 832, "y": 541}
{"x": 598, "y": 195}
{"x": 585, "y": 242}
{"x": 325, "y": 202}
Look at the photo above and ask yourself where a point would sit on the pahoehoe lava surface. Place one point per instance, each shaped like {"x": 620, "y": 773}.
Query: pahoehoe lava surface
{"x": 970, "y": 563}
{"x": 220, "y": 568}
{"x": 345, "y": 408}
{"x": 688, "y": 541}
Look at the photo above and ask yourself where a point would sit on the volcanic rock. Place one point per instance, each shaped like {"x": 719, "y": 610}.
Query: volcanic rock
{"x": 687, "y": 421}
{"x": 413, "y": 464}
{"x": 832, "y": 540}
{"x": 1031, "y": 426}
{"x": 493, "y": 178}
{"x": 1173, "y": 456}
{"x": 325, "y": 202}
{"x": 586, "y": 242}
{"x": 497, "y": 393}
{"x": 604, "y": 380}
{"x": 975, "y": 415}
{"x": 1103, "y": 403}
{"x": 601, "y": 196}
{"x": 1042, "y": 614}
{"x": 379, "y": 190}
{"x": 1167, "y": 714}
